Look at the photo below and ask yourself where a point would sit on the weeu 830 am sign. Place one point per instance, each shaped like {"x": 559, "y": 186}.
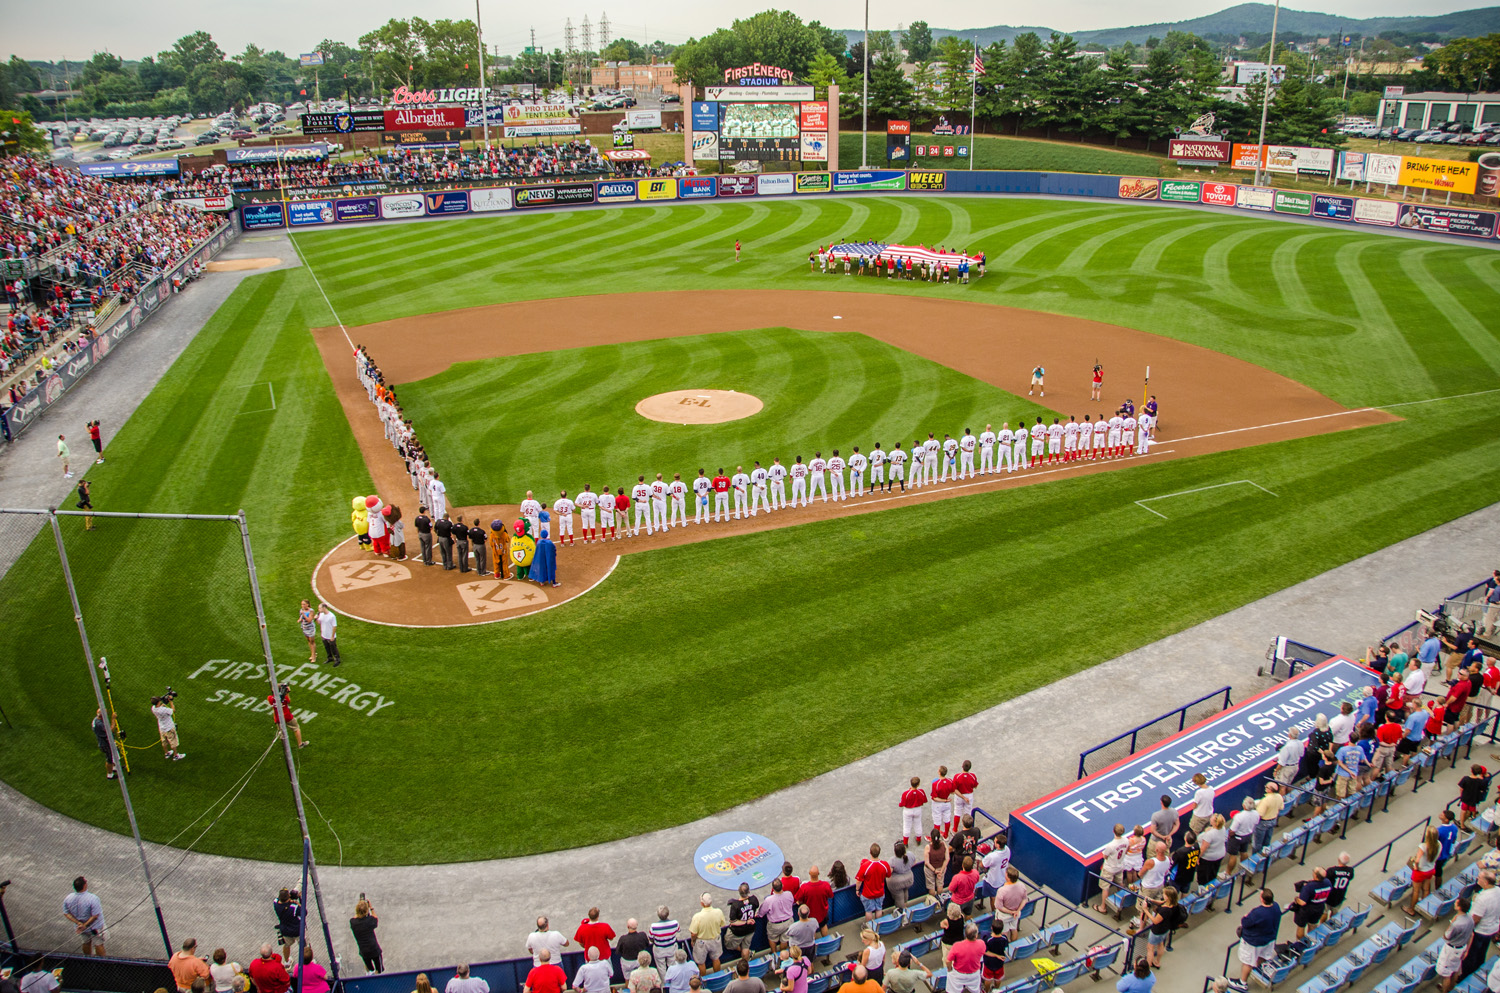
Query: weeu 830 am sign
{"x": 1057, "y": 838}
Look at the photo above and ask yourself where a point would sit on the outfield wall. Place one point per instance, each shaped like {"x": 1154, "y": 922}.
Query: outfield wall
{"x": 1332, "y": 207}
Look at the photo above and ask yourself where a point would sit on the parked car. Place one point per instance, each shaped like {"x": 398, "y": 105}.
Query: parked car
{"x": 671, "y": 98}
{"x": 206, "y": 138}
{"x": 171, "y": 144}
{"x": 241, "y": 133}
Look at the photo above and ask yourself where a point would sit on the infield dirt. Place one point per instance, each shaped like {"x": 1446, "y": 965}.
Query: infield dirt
{"x": 1211, "y": 402}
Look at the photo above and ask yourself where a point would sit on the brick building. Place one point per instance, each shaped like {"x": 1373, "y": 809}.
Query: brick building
{"x": 653, "y": 78}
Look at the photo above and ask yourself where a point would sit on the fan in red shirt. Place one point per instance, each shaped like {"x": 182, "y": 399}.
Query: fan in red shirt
{"x": 268, "y": 974}
{"x": 1387, "y": 737}
{"x": 963, "y": 802}
{"x": 546, "y": 978}
{"x": 1395, "y": 701}
{"x": 789, "y": 883}
{"x": 287, "y": 716}
{"x": 871, "y": 878}
{"x": 911, "y": 803}
{"x": 816, "y": 894}
{"x": 942, "y": 802}
{"x": 594, "y": 933}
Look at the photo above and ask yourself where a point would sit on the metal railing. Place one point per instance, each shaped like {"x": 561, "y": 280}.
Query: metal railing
{"x": 1290, "y": 656}
{"x": 1179, "y": 713}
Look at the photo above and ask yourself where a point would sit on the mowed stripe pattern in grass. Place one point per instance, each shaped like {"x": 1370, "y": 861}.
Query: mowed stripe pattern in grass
{"x": 560, "y": 419}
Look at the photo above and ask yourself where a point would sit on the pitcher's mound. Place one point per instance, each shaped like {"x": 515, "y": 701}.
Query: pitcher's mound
{"x": 699, "y": 406}
{"x": 235, "y": 265}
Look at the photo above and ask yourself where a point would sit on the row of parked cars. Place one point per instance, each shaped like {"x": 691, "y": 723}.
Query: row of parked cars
{"x": 1450, "y": 133}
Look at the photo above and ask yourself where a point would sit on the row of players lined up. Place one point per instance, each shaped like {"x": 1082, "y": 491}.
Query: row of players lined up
{"x": 662, "y": 504}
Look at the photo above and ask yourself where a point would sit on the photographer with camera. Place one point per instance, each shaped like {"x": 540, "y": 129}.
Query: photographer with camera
{"x": 287, "y": 717}
{"x": 363, "y": 924}
{"x": 288, "y": 908}
{"x": 164, "y": 708}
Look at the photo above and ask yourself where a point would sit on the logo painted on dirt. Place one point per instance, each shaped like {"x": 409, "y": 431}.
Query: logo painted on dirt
{"x": 350, "y": 576}
{"x": 496, "y": 596}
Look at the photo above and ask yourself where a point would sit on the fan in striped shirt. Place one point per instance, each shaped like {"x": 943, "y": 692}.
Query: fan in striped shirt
{"x": 665, "y": 933}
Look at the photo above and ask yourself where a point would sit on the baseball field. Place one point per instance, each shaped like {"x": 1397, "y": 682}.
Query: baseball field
{"x": 703, "y": 673}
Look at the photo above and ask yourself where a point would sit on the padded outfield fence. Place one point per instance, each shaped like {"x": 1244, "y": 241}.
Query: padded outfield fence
{"x": 65, "y": 572}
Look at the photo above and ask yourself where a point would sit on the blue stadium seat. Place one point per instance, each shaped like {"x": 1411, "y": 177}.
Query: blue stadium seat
{"x": 824, "y": 947}
{"x": 1436, "y": 906}
{"x": 1066, "y": 974}
{"x": 889, "y": 924}
{"x": 1029, "y": 906}
{"x": 1272, "y": 974}
{"x": 1120, "y": 901}
{"x": 1029, "y": 985}
{"x": 760, "y": 966}
{"x": 1196, "y": 903}
{"x": 1060, "y": 934}
{"x": 815, "y": 984}
{"x": 715, "y": 982}
{"x": 1357, "y": 915}
{"x": 1097, "y": 962}
{"x": 1461, "y": 846}
{"x": 1025, "y": 947}
{"x": 1393, "y": 889}
{"x": 986, "y": 925}
{"x": 1317, "y": 984}
{"x": 1396, "y": 984}
{"x": 920, "y": 913}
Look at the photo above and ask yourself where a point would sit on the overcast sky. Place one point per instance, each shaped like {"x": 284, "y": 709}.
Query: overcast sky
{"x": 38, "y": 30}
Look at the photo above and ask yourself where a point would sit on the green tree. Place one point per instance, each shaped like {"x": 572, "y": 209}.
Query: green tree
{"x": 827, "y": 70}
{"x": 1303, "y": 113}
{"x": 393, "y": 50}
{"x": 191, "y": 51}
{"x": 624, "y": 50}
{"x": 831, "y": 41}
{"x": 1202, "y": 75}
{"x": 342, "y": 70}
{"x": 1062, "y": 84}
{"x": 1161, "y": 103}
{"x": 450, "y": 52}
{"x": 702, "y": 61}
{"x": 891, "y": 94}
{"x": 955, "y": 57}
{"x": 17, "y": 125}
{"x": 778, "y": 38}
{"x": 155, "y": 77}
{"x": 917, "y": 40}
{"x": 1466, "y": 65}
{"x": 883, "y": 43}
{"x": 1117, "y": 95}
{"x": 923, "y": 79}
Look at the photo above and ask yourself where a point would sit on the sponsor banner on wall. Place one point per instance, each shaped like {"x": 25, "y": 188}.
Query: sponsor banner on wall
{"x": 276, "y": 153}
{"x": 1296, "y": 159}
{"x": 424, "y": 118}
{"x": 488, "y": 199}
{"x": 1382, "y": 212}
{"x": 446, "y": 138}
{"x": 898, "y": 148}
{"x": 1383, "y": 169}
{"x": 642, "y": 120}
{"x": 1198, "y": 150}
{"x": 447, "y": 202}
{"x": 553, "y": 196}
{"x": 616, "y": 191}
{"x": 697, "y": 187}
{"x": 734, "y": 857}
{"x": 736, "y": 186}
{"x": 1218, "y": 194}
{"x": 1132, "y": 188}
{"x": 1255, "y": 198}
{"x": 1335, "y": 208}
{"x": 927, "y": 181}
{"x": 814, "y": 182}
{"x": 203, "y": 203}
{"x": 1444, "y": 175}
{"x": 1180, "y": 191}
{"x": 664, "y": 188}
{"x": 815, "y": 146}
{"x": 357, "y": 209}
{"x": 346, "y": 123}
{"x": 304, "y": 212}
{"x": 540, "y": 130}
{"x": 1293, "y": 202}
{"x": 403, "y": 205}
{"x": 1245, "y": 157}
{"x": 1448, "y": 220}
{"x": 146, "y": 167}
{"x": 705, "y": 116}
{"x": 814, "y": 115}
{"x": 1352, "y": 166}
{"x": 706, "y": 146}
{"x": 898, "y": 127}
{"x": 875, "y": 179}
{"x": 262, "y": 215}
{"x": 478, "y": 117}
{"x": 770, "y": 184}
{"x": 758, "y": 94}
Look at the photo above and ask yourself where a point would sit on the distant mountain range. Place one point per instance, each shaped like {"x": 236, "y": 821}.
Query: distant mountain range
{"x": 1251, "y": 18}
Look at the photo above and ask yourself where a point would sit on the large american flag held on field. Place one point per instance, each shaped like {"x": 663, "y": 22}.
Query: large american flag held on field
{"x": 873, "y": 250}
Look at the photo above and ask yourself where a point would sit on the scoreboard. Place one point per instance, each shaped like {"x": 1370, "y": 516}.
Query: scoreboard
{"x": 758, "y": 117}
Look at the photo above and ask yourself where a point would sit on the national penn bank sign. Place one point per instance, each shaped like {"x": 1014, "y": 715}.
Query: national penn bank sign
{"x": 1058, "y": 839}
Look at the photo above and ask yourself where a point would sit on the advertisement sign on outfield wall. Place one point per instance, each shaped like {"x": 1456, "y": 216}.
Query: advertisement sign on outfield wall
{"x": 1198, "y": 150}
{"x": 1383, "y": 169}
{"x": 488, "y": 199}
{"x": 1218, "y": 194}
{"x": 1245, "y": 157}
{"x": 357, "y": 209}
{"x": 1254, "y": 197}
{"x": 814, "y": 182}
{"x": 305, "y": 212}
{"x": 448, "y": 202}
{"x": 114, "y": 170}
{"x": 422, "y": 118}
{"x": 1352, "y": 166}
{"x": 1443, "y": 175}
{"x": 815, "y": 115}
{"x": 771, "y": 184}
{"x": 736, "y": 186}
{"x": 875, "y": 179}
{"x": 657, "y": 189}
{"x": 1384, "y": 213}
{"x": 697, "y": 187}
{"x": 1180, "y": 191}
{"x": 617, "y": 191}
{"x": 1293, "y": 202}
{"x": 402, "y": 205}
{"x": 555, "y": 195}
{"x": 705, "y": 146}
{"x": 1448, "y": 220}
{"x": 1133, "y": 188}
{"x": 705, "y": 116}
{"x": 927, "y": 181}
{"x": 262, "y": 215}
{"x": 1334, "y": 208}
{"x": 815, "y": 146}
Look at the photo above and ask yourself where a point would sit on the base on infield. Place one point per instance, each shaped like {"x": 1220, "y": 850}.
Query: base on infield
{"x": 699, "y": 406}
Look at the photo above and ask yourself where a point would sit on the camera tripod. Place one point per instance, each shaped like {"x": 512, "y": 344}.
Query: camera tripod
{"x": 117, "y": 732}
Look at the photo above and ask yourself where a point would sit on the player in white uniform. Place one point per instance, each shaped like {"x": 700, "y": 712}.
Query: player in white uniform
{"x": 950, "y": 458}
{"x": 1038, "y": 441}
{"x": 1127, "y": 435}
{"x": 587, "y": 501}
{"x": 777, "y": 472}
{"x": 857, "y": 473}
{"x": 836, "y": 475}
{"x": 1116, "y": 425}
{"x": 1147, "y": 423}
{"x": 701, "y": 489}
{"x": 918, "y": 458}
{"x": 930, "y": 458}
{"x": 607, "y": 515}
{"x": 1004, "y": 437}
{"x": 1019, "y": 452}
{"x": 1085, "y": 437}
{"x": 898, "y": 468}
{"x": 877, "y": 470}
{"x": 677, "y": 490}
{"x": 799, "y": 482}
{"x": 640, "y": 498}
{"x": 438, "y": 498}
{"x": 1054, "y": 441}
{"x": 986, "y": 451}
{"x": 659, "y": 504}
{"x": 758, "y": 496}
{"x": 1101, "y": 438}
{"x": 815, "y": 470}
{"x": 740, "y": 485}
{"x": 1070, "y": 440}
{"x": 562, "y": 510}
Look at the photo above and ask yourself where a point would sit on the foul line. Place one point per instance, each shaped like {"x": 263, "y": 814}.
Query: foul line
{"x": 1341, "y": 413}
{"x": 1459, "y": 396}
{"x": 319, "y": 284}
{"x": 1142, "y": 503}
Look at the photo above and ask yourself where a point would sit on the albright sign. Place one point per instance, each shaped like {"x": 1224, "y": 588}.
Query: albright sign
{"x": 472, "y": 94}
{"x": 424, "y": 118}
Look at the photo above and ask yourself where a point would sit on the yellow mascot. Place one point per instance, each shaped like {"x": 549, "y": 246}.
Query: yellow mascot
{"x": 360, "y": 518}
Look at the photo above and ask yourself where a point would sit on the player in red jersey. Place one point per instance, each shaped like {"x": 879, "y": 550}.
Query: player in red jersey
{"x": 942, "y": 803}
{"x": 963, "y": 799}
{"x": 721, "y": 495}
{"x": 911, "y": 803}
{"x": 622, "y": 507}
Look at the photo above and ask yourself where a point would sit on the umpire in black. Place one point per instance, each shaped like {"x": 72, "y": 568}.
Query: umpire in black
{"x": 461, "y": 540}
{"x": 444, "y": 531}
{"x": 423, "y": 525}
{"x": 479, "y": 541}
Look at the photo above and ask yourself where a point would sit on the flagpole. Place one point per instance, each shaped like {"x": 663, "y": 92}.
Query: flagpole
{"x": 973, "y": 100}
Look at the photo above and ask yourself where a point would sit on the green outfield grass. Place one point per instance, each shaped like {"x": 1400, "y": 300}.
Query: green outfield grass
{"x": 1000, "y": 152}
{"x": 650, "y": 682}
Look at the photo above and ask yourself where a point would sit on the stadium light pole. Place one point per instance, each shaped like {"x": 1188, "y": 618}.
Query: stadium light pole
{"x": 484, "y": 100}
{"x": 864, "y": 103}
{"x": 1265, "y": 98}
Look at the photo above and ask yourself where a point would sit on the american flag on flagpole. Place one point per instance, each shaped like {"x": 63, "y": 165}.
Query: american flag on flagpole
{"x": 978, "y": 62}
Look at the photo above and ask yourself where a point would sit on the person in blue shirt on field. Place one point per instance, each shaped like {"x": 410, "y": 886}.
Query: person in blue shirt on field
{"x": 1447, "y": 833}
